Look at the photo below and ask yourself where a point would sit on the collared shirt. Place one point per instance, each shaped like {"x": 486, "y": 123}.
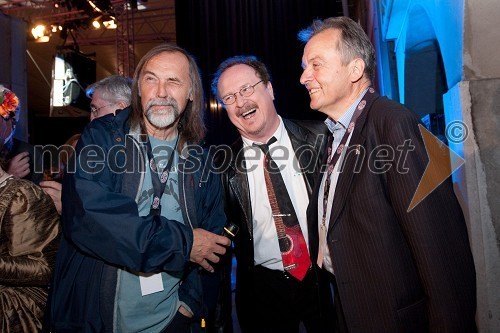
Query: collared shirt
{"x": 338, "y": 130}
{"x": 265, "y": 237}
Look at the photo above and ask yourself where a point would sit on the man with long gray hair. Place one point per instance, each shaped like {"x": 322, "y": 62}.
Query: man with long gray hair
{"x": 134, "y": 223}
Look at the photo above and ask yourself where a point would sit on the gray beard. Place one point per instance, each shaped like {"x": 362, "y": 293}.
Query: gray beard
{"x": 162, "y": 119}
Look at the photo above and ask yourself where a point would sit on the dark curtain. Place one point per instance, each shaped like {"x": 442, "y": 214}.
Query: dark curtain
{"x": 212, "y": 30}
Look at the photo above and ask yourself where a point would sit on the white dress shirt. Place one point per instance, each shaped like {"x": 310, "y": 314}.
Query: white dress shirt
{"x": 265, "y": 238}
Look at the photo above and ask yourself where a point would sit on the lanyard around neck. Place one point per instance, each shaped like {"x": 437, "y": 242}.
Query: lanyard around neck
{"x": 159, "y": 181}
{"x": 333, "y": 156}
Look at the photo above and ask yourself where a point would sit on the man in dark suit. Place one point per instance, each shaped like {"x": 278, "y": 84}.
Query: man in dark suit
{"x": 392, "y": 270}
{"x": 269, "y": 295}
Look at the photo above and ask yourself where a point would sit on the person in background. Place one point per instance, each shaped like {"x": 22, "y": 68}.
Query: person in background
{"x": 109, "y": 95}
{"x": 136, "y": 225}
{"x": 393, "y": 269}
{"x": 23, "y": 160}
{"x": 66, "y": 152}
{"x": 276, "y": 283}
{"x": 53, "y": 175}
{"x": 29, "y": 229}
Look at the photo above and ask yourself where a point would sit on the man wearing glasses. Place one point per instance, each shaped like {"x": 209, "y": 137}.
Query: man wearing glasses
{"x": 276, "y": 284}
{"x": 108, "y": 95}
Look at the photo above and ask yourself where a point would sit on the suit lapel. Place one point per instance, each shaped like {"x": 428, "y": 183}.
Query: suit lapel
{"x": 239, "y": 183}
{"x": 350, "y": 161}
{"x": 305, "y": 155}
{"x": 312, "y": 209}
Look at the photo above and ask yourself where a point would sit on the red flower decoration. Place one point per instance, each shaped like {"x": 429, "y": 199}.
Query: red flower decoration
{"x": 8, "y": 104}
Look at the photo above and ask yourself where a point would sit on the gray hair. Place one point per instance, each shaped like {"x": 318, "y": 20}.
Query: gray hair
{"x": 191, "y": 125}
{"x": 114, "y": 89}
{"x": 354, "y": 43}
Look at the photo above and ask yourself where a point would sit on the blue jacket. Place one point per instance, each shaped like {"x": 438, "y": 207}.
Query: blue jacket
{"x": 104, "y": 232}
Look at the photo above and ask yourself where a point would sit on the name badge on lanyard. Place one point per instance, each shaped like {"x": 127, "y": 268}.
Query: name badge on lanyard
{"x": 150, "y": 283}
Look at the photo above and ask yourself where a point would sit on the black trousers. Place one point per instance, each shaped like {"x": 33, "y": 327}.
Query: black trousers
{"x": 281, "y": 302}
{"x": 179, "y": 324}
{"x": 334, "y": 310}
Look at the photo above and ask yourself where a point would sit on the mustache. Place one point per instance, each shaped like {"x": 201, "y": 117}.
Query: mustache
{"x": 162, "y": 102}
{"x": 245, "y": 108}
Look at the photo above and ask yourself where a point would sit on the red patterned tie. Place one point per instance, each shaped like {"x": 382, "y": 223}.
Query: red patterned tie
{"x": 292, "y": 244}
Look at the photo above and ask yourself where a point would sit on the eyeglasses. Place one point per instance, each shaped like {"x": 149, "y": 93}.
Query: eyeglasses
{"x": 94, "y": 110}
{"x": 246, "y": 91}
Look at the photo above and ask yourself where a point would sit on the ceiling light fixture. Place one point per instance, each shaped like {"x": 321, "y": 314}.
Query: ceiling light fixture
{"x": 110, "y": 24}
{"x": 95, "y": 23}
{"x": 40, "y": 33}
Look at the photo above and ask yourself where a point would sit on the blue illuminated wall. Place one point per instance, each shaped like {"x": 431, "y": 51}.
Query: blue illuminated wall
{"x": 414, "y": 26}
{"x": 440, "y": 55}
{"x": 419, "y": 52}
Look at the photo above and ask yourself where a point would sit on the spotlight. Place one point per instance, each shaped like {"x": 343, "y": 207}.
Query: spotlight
{"x": 109, "y": 24}
{"x": 40, "y": 33}
{"x": 96, "y": 20}
{"x": 96, "y": 24}
{"x": 109, "y": 21}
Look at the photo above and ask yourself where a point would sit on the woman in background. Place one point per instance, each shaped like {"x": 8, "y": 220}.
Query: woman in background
{"x": 29, "y": 229}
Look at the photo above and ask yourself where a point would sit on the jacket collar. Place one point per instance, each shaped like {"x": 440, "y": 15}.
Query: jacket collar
{"x": 136, "y": 155}
{"x": 238, "y": 181}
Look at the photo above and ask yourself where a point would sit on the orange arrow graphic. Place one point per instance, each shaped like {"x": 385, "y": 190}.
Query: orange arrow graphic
{"x": 442, "y": 163}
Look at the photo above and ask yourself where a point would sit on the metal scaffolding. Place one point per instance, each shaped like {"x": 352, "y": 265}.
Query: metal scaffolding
{"x": 154, "y": 23}
{"x": 125, "y": 40}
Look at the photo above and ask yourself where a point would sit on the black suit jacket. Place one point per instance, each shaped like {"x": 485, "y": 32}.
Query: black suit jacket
{"x": 307, "y": 139}
{"x": 396, "y": 271}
